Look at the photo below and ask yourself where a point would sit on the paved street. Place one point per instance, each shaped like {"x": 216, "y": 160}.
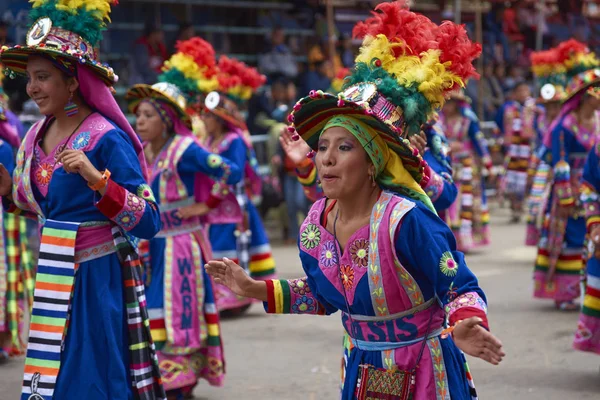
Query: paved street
{"x": 298, "y": 357}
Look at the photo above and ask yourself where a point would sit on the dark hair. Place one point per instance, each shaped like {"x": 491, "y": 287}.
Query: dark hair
{"x": 183, "y": 27}
{"x": 150, "y": 27}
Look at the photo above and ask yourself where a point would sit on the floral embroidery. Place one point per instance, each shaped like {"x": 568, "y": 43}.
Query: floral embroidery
{"x": 81, "y": 140}
{"x": 347, "y": 274}
{"x": 359, "y": 250}
{"x": 303, "y": 305}
{"x": 328, "y": 255}
{"x": 145, "y": 192}
{"x": 311, "y": 236}
{"x": 43, "y": 174}
{"x": 448, "y": 265}
{"x": 299, "y": 286}
{"x": 126, "y": 219}
{"x": 135, "y": 203}
{"x": 469, "y": 299}
{"x": 214, "y": 160}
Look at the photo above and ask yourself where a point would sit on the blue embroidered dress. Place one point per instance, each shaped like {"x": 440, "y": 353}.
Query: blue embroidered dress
{"x": 396, "y": 293}
{"x": 95, "y": 361}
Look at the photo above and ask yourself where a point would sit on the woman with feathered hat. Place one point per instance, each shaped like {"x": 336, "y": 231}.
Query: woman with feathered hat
{"x": 569, "y": 140}
{"x": 468, "y": 216}
{"x": 180, "y": 295}
{"x": 236, "y": 230}
{"x": 549, "y": 72}
{"x": 374, "y": 249}
{"x": 81, "y": 171}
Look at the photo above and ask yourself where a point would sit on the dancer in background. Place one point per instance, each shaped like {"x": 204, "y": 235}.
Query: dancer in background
{"x": 549, "y": 73}
{"x": 236, "y": 230}
{"x": 183, "y": 317}
{"x": 567, "y": 144}
{"x": 468, "y": 216}
{"x": 82, "y": 172}
{"x": 16, "y": 264}
{"x": 519, "y": 134}
{"x": 373, "y": 248}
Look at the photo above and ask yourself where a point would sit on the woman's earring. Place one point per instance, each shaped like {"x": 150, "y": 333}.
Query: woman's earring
{"x": 165, "y": 134}
{"x": 373, "y": 183}
{"x": 71, "y": 108}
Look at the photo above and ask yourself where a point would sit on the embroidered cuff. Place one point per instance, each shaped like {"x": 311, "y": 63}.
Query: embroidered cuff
{"x": 291, "y": 297}
{"x": 309, "y": 177}
{"x": 465, "y": 306}
{"x": 435, "y": 186}
{"x": 121, "y": 206}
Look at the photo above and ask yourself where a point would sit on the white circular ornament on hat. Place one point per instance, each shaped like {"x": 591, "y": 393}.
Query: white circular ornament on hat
{"x": 361, "y": 92}
{"x": 548, "y": 91}
{"x": 212, "y": 100}
{"x": 39, "y": 31}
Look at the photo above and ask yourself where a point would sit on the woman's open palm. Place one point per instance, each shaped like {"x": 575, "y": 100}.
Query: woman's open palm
{"x": 476, "y": 341}
{"x": 229, "y": 274}
{"x": 5, "y": 181}
{"x": 296, "y": 150}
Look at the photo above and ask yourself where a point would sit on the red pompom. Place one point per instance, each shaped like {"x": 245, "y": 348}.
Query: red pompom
{"x": 567, "y": 49}
{"x": 233, "y": 72}
{"x": 201, "y": 51}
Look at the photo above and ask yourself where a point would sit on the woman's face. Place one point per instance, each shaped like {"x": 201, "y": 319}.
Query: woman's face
{"x": 212, "y": 123}
{"x": 343, "y": 165}
{"x": 450, "y": 107}
{"x": 48, "y": 87}
{"x": 592, "y": 101}
{"x": 552, "y": 110}
{"x": 148, "y": 123}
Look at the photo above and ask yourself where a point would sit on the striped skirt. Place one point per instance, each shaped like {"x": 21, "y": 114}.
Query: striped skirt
{"x": 587, "y": 337}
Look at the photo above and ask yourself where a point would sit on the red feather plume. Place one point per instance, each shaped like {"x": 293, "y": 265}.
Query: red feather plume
{"x": 233, "y": 72}
{"x": 568, "y": 48}
{"x": 544, "y": 57}
{"x": 458, "y": 49}
{"x": 201, "y": 51}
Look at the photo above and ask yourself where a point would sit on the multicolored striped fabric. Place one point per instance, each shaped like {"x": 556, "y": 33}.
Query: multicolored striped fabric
{"x": 53, "y": 287}
{"x": 145, "y": 374}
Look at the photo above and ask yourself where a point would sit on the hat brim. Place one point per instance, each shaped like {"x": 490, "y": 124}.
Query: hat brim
{"x": 15, "y": 59}
{"x": 136, "y": 94}
{"x": 595, "y": 82}
{"x": 311, "y": 114}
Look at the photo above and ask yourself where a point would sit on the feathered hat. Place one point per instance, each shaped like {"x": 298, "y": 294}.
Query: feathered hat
{"x": 406, "y": 66}
{"x": 582, "y": 68}
{"x": 550, "y": 73}
{"x": 66, "y": 31}
{"x": 237, "y": 82}
{"x": 188, "y": 74}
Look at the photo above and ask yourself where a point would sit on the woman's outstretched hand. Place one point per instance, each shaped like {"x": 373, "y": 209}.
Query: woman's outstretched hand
{"x": 296, "y": 150}
{"x": 231, "y": 275}
{"x": 476, "y": 341}
{"x": 5, "y": 181}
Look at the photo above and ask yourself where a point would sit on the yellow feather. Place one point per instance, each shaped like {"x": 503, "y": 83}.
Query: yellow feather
{"x": 101, "y": 8}
{"x": 186, "y": 64}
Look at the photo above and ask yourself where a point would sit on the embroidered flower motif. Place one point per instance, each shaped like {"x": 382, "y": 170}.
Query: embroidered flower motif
{"x": 328, "y": 256}
{"x": 43, "y": 174}
{"x": 126, "y": 219}
{"x": 448, "y": 266}
{"x": 310, "y": 237}
{"x": 80, "y": 141}
{"x": 214, "y": 160}
{"x": 347, "y": 274}
{"x": 359, "y": 250}
{"x": 303, "y": 305}
{"x": 145, "y": 192}
{"x": 135, "y": 203}
{"x": 299, "y": 286}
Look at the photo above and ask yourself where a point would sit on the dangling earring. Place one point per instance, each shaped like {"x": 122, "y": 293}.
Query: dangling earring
{"x": 165, "y": 134}
{"x": 373, "y": 180}
{"x": 318, "y": 181}
{"x": 71, "y": 108}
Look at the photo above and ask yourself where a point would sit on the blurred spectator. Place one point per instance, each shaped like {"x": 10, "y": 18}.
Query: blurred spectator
{"x": 531, "y": 17}
{"x": 278, "y": 59}
{"x": 317, "y": 79}
{"x": 149, "y": 54}
{"x": 268, "y": 106}
{"x": 493, "y": 33}
{"x": 346, "y": 51}
{"x": 185, "y": 32}
{"x": 515, "y": 76}
{"x": 493, "y": 93}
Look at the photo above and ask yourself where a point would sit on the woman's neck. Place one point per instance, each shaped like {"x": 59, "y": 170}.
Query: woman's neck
{"x": 359, "y": 205}
{"x": 157, "y": 145}
{"x": 217, "y": 136}
{"x": 585, "y": 113}
{"x": 65, "y": 124}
